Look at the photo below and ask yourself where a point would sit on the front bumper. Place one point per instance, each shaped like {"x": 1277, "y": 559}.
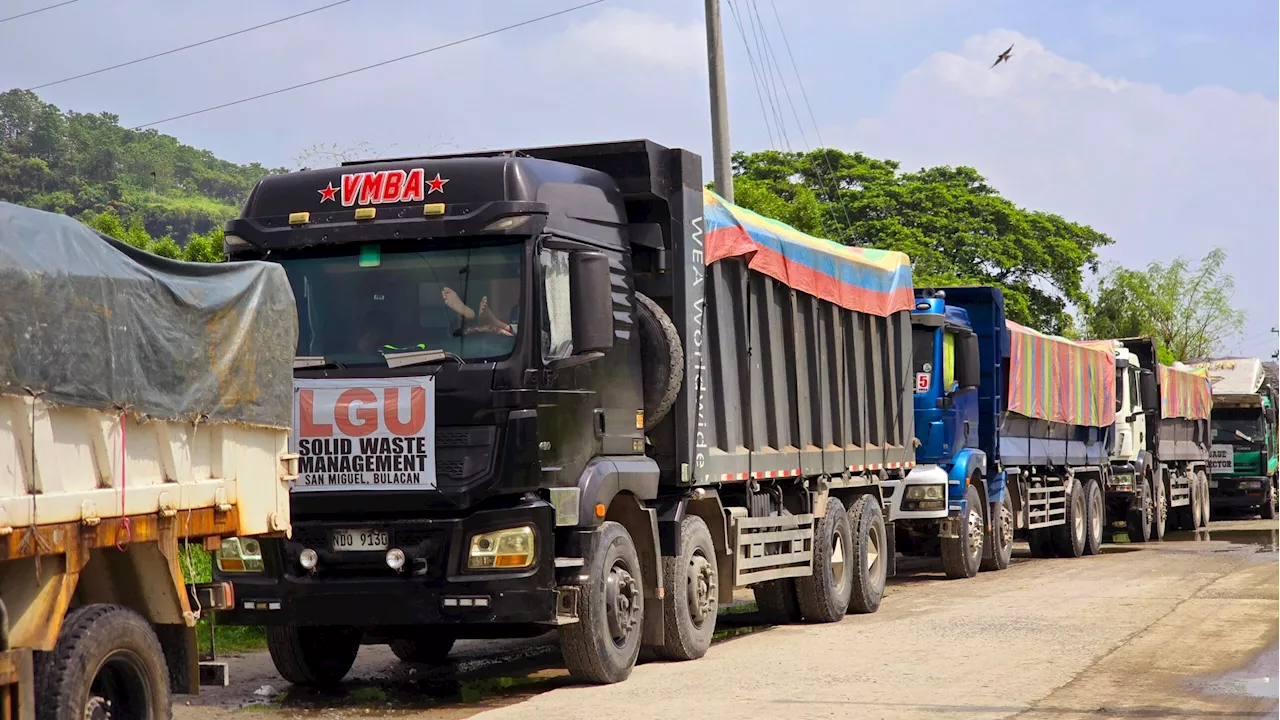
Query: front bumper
{"x": 902, "y": 509}
{"x": 433, "y": 588}
{"x": 1229, "y": 494}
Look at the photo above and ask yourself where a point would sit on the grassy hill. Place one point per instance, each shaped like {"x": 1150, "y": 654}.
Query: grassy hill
{"x": 88, "y": 166}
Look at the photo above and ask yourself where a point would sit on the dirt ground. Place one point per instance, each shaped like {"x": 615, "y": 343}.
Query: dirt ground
{"x": 1186, "y": 628}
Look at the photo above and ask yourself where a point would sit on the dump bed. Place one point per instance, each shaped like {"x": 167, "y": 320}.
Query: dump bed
{"x": 1185, "y": 405}
{"x": 1043, "y": 399}
{"x": 808, "y": 352}
{"x": 133, "y": 385}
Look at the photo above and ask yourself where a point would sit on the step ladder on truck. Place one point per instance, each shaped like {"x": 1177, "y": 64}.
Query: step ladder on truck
{"x": 144, "y": 406}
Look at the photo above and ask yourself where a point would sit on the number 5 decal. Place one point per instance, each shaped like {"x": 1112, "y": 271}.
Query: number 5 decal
{"x": 922, "y": 382}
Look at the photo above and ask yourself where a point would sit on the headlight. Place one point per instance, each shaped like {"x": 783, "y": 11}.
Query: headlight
{"x": 1251, "y": 484}
{"x": 511, "y": 548}
{"x": 240, "y": 555}
{"x": 926, "y": 492}
{"x": 1213, "y": 483}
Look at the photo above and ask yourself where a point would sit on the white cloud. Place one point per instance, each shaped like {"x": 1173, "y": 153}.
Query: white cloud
{"x": 637, "y": 38}
{"x": 1165, "y": 174}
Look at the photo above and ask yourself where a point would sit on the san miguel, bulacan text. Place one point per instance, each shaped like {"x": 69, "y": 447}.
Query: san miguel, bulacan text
{"x": 365, "y": 434}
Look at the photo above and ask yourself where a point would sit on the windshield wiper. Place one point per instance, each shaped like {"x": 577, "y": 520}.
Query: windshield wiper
{"x": 302, "y": 362}
{"x": 1244, "y": 437}
{"x": 420, "y": 357}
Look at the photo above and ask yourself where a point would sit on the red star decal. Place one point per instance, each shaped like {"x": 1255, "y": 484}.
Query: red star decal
{"x": 436, "y": 185}
{"x": 327, "y": 193}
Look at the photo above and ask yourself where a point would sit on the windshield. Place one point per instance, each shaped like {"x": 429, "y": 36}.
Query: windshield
{"x": 1226, "y": 425}
{"x": 354, "y": 308}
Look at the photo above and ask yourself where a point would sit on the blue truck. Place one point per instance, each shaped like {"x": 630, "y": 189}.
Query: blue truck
{"x": 991, "y": 463}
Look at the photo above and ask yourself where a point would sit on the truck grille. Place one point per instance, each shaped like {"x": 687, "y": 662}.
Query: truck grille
{"x": 463, "y": 453}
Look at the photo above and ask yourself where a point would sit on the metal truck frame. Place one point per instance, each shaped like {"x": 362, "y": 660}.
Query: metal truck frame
{"x": 712, "y": 428}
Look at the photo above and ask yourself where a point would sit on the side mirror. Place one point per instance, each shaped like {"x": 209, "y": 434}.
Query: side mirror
{"x": 969, "y": 362}
{"x": 590, "y": 302}
{"x": 1148, "y": 392}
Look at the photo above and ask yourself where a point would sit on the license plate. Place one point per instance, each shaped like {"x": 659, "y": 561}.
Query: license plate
{"x": 346, "y": 540}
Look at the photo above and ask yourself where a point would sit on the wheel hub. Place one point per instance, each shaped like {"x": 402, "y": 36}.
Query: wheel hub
{"x": 1077, "y": 524}
{"x": 622, "y": 601}
{"x": 837, "y": 558}
{"x": 874, "y": 543}
{"x": 98, "y": 708}
{"x": 974, "y": 531}
{"x": 1006, "y": 525}
{"x": 701, "y": 588}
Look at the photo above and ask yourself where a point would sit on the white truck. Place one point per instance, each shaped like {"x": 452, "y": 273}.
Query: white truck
{"x": 1159, "y": 463}
{"x": 144, "y": 404}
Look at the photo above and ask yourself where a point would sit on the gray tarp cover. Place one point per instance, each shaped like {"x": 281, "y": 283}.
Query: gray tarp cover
{"x": 89, "y": 321}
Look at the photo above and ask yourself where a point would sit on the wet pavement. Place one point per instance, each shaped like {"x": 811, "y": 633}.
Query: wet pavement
{"x": 486, "y": 675}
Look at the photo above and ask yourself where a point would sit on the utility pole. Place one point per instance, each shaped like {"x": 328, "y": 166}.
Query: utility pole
{"x": 720, "y": 162}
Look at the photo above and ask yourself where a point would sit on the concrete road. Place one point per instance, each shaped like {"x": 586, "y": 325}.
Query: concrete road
{"x": 1181, "y": 629}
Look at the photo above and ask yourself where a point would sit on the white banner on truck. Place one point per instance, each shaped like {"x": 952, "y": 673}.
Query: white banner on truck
{"x": 1222, "y": 459}
{"x": 364, "y": 434}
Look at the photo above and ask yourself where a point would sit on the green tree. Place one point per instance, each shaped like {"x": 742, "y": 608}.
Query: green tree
{"x": 956, "y": 227}
{"x": 1185, "y": 307}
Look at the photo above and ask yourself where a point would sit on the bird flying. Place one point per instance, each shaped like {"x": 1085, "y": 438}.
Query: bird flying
{"x": 1003, "y": 57}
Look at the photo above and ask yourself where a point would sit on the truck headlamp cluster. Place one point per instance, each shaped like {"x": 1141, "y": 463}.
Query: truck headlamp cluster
{"x": 240, "y": 555}
{"x": 1251, "y": 484}
{"x": 926, "y": 492}
{"x": 508, "y": 549}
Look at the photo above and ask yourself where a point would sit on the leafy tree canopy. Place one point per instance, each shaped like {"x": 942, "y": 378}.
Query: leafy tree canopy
{"x": 1185, "y": 307}
{"x": 957, "y": 229}
{"x": 85, "y": 164}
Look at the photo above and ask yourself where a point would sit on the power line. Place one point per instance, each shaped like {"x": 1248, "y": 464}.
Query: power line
{"x": 812, "y": 118}
{"x": 37, "y": 10}
{"x": 185, "y": 47}
{"x": 755, "y": 76}
{"x": 375, "y": 65}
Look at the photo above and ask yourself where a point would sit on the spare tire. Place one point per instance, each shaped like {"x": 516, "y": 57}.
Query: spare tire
{"x": 661, "y": 360}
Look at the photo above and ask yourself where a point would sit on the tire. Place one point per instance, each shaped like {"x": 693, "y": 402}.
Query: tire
{"x": 602, "y": 646}
{"x": 870, "y": 551}
{"x": 1041, "y": 542}
{"x": 1095, "y": 510}
{"x": 313, "y": 656}
{"x": 1071, "y": 535}
{"x": 824, "y": 595}
{"x": 1139, "y": 520}
{"x": 4, "y": 627}
{"x": 107, "y": 660}
{"x": 428, "y": 647}
{"x": 1159, "y": 509}
{"x": 661, "y": 360}
{"x": 1268, "y": 513}
{"x": 1204, "y": 517}
{"x": 1000, "y": 541}
{"x": 776, "y": 601}
{"x": 692, "y": 583}
{"x": 962, "y": 556}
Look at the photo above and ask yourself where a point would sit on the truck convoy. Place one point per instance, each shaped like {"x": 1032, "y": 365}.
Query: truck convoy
{"x": 144, "y": 404}
{"x": 567, "y": 387}
{"x": 1014, "y": 429}
{"x": 1159, "y": 468}
{"x": 1244, "y": 456}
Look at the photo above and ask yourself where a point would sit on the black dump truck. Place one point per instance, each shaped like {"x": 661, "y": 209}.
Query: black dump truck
{"x": 526, "y": 398}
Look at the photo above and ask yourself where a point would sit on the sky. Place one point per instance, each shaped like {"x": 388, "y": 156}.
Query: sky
{"x": 1154, "y": 121}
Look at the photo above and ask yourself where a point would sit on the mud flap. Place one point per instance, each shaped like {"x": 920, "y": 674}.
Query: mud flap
{"x": 891, "y": 546}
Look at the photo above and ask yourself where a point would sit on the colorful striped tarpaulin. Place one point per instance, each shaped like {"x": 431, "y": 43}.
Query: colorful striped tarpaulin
{"x": 861, "y": 279}
{"x": 1055, "y": 379}
{"x": 1185, "y": 393}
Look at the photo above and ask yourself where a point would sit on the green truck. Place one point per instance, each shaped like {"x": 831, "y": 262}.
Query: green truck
{"x": 1243, "y": 458}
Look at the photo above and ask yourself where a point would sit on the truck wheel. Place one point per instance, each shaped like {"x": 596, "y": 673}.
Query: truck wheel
{"x": 313, "y": 656}
{"x": 1268, "y": 513}
{"x": 777, "y": 602}
{"x": 1071, "y": 534}
{"x": 1203, "y": 481}
{"x": 1139, "y": 520}
{"x": 1041, "y": 542}
{"x": 1159, "y": 509}
{"x": 870, "y": 552}
{"x": 961, "y": 556}
{"x": 429, "y": 647}
{"x": 1095, "y": 510}
{"x": 1000, "y": 542}
{"x": 824, "y": 595}
{"x": 603, "y": 645}
{"x": 107, "y": 663}
{"x": 661, "y": 360}
{"x": 692, "y": 585}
